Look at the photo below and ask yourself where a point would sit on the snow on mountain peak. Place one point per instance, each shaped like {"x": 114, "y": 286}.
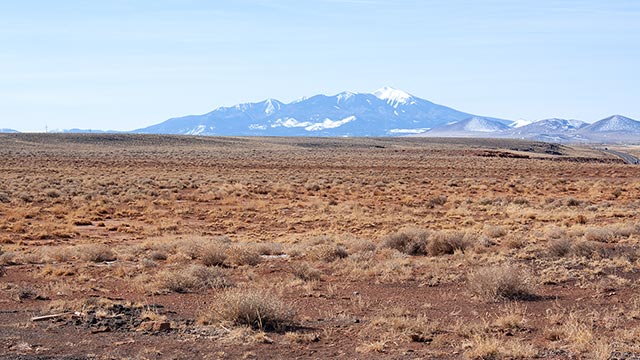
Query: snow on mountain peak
{"x": 271, "y": 106}
{"x": 521, "y": 122}
{"x": 393, "y": 97}
{"x": 344, "y": 96}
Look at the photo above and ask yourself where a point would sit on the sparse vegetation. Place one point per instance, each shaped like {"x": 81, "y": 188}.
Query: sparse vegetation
{"x": 315, "y": 247}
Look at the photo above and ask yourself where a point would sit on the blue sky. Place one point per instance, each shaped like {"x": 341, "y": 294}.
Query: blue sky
{"x": 123, "y": 65}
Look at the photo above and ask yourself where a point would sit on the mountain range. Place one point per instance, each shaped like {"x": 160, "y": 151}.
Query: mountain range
{"x": 385, "y": 112}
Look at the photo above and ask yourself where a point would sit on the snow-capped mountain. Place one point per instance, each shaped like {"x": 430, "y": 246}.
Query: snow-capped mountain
{"x": 554, "y": 130}
{"x": 616, "y": 128}
{"x": 385, "y": 112}
{"x": 548, "y": 126}
{"x": 8, "y": 131}
{"x": 614, "y": 123}
{"x": 474, "y": 126}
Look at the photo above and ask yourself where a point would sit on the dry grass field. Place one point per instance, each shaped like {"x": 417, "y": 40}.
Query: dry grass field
{"x": 154, "y": 247}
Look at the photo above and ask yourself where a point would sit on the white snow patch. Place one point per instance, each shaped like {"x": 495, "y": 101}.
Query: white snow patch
{"x": 393, "y": 97}
{"x": 197, "y": 130}
{"x": 329, "y": 124}
{"x": 270, "y": 108}
{"x": 345, "y": 96}
{"x": 290, "y": 123}
{"x": 520, "y": 123}
{"x": 409, "y": 131}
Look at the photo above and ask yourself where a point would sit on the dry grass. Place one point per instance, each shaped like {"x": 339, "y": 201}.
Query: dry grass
{"x": 255, "y": 308}
{"x": 489, "y": 348}
{"x": 305, "y": 272}
{"x": 190, "y": 279}
{"x": 96, "y": 253}
{"x": 334, "y": 207}
{"x": 503, "y": 282}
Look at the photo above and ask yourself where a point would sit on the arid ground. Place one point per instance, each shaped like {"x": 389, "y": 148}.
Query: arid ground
{"x": 153, "y": 247}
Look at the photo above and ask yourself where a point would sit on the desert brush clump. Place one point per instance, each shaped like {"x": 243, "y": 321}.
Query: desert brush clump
{"x": 193, "y": 278}
{"x": 251, "y": 307}
{"x": 305, "y": 272}
{"x": 412, "y": 241}
{"x": 96, "y": 253}
{"x": 502, "y": 282}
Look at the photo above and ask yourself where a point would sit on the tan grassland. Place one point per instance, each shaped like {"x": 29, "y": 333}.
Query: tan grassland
{"x": 154, "y": 247}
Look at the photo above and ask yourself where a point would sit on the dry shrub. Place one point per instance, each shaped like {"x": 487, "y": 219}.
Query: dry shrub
{"x": 242, "y": 254}
{"x": 96, "y": 253}
{"x": 442, "y": 243}
{"x": 214, "y": 254}
{"x": 5, "y": 198}
{"x": 436, "y": 201}
{"x": 269, "y": 248}
{"x": 191, "y": 248}
{"x": 158, "y": 255}
{"x": 3, "y": 271}
{"x": 422, "y": 242}
{"x": 193, "y": 278}
{"x": 409, "y": 327}
{"x": 560, "y": 247}
{"x": 495, "y": 231}
{"x": 10, "y": 258}
{"x": 250, "y": 307}
{"x": 505, "y": 282}
{"x": 598, "y": 234}
{"x": 327, "y": 252}
{"x": 410, "y": 241}
{"x": 587, "y": 249}
{"x": 572, "y": 202}
{"x": 485, "y": 348}
{"x": 305, "y": 272}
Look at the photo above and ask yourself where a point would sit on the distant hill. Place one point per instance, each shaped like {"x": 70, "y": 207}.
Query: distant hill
{"x": 474, "y": 126}
{"x": 8, "y": 131}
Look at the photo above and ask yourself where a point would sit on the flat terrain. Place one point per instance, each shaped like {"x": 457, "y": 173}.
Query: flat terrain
{"x": 153, "y": 247}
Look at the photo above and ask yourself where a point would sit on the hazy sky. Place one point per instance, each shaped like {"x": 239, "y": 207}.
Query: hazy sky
{"x": 121, "y": 65}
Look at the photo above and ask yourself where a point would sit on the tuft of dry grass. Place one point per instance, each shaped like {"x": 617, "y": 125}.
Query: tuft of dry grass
{"x": 193, "y": 278}
{"x": 505, "y": 282}
{"x": 96, "y": 253}
{"x": 327, "y": 252}
{"x": 305, "y": 272}
{"x": 443, "y": 243}
{"x": 410, "y": 241}
{"x": 413, "y": 241}
{"x": 485, "y": 347}
{"x": 255, "y": 308}
{"x": 214, "y": 254}
{"x": 242, "y": 254}
{"x": 559, "y": 247}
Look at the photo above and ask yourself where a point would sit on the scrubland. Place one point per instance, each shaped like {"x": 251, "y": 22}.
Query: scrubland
{"x": 148, "y": 247}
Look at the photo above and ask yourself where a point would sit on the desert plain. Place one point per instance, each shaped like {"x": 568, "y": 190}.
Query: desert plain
{"x": 151, "y": 247}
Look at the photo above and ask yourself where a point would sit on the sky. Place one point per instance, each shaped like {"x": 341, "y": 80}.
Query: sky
{"x": 127, "y": 64}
